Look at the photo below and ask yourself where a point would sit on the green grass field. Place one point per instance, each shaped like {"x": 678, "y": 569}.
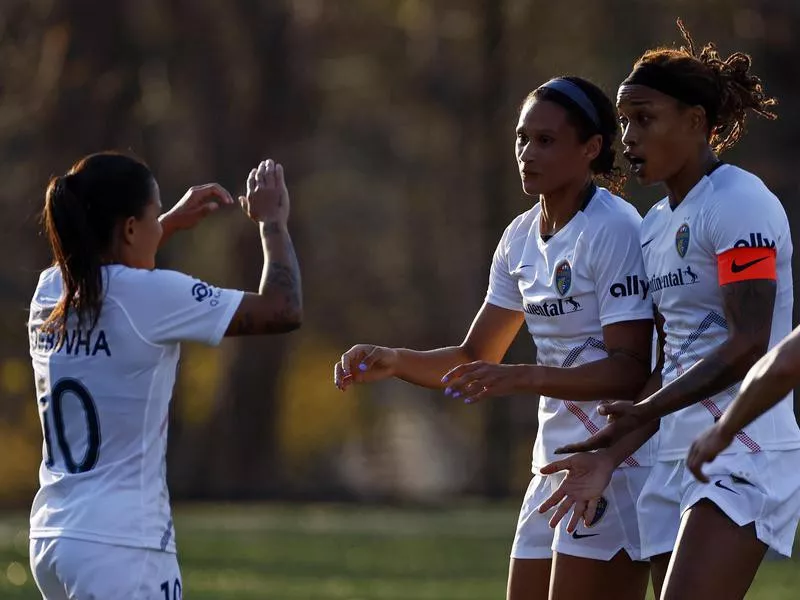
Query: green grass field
{"x": 348, "y": 553}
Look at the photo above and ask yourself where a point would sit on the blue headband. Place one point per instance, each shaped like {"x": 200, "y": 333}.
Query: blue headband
{"x": 576, "y": 94}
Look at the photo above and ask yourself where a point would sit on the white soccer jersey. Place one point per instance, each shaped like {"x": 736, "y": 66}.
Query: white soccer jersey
{"x": 103, "y": 400}
{"x": 588, "y": 275}
{"x": 730, "y": 208}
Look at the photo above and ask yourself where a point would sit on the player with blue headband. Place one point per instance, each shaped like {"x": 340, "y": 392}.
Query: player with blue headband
{"x": 570, "y": 269}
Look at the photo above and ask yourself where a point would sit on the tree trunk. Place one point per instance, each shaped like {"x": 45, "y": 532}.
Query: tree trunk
{"x": 236, "y": 454}
{"x": 497, "y": 424}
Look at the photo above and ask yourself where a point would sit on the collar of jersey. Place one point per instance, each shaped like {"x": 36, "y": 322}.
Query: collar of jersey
{"x": 700, "y": 188}
{"x": 590, "y": 194}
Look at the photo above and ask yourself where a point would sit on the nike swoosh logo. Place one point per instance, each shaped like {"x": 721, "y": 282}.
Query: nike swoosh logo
{"x": 719, "y": 484}
{"x": 739, "y": 268}
{"x": 648, "y": 241}
{"x": 580, "y": 536}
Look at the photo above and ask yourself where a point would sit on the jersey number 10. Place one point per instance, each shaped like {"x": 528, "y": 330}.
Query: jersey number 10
{"x": 177, "y": 592}
{"x": 52, "y": 412}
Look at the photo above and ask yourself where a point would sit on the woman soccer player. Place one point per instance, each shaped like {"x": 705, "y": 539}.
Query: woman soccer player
{"x": 105, "y": 330}
{"x": 717, "y": 251}
{"x": 571, "y": 269}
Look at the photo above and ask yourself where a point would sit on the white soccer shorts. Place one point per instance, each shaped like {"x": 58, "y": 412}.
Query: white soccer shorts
{"x": 69, "y": 569}
{"x": 761, "y": 488}
{"x": 615, "y": 526}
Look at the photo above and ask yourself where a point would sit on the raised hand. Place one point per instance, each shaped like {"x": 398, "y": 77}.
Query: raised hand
{"x": 196, "y": 204}
{"x": 267, "y": 199}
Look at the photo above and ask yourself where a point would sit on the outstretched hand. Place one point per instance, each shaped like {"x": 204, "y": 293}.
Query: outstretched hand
{"x": 364, "y": 363}
{"x": 481, "y": 379}
{"x": 588, "y": 475}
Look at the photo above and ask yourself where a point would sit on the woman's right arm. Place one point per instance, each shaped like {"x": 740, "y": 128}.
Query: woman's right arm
{"x": 589, "y": 473}
{"x": 278, "y": 305}
{"x": 488, "y": 339}
{"x": 631, "y": 442}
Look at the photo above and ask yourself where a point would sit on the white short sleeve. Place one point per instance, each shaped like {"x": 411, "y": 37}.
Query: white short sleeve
{"x": 754, "y": 220}
{"x": 619, "y": 275}
{"x": 503, "y": 287}
{"x": 168, "y": 307}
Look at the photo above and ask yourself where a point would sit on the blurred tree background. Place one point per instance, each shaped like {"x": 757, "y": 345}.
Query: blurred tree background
{"x": 395, "y": 122}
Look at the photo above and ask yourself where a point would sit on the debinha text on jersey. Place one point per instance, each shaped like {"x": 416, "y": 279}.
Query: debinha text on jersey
{"x": 76, "y": 342}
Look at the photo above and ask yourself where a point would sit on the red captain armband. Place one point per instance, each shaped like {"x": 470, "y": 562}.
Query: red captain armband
{"x": 744, "y": 264}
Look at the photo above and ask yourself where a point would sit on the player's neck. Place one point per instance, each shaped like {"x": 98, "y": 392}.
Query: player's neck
{"x": 559, "y": 206}
{"x": 680, "y": 184}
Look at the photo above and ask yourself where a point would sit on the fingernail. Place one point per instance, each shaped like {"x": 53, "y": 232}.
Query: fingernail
{"x": 447, "y": 391}
{"x": 362, "y": 367}
{"x": 445, "y": 379}
{"x": 456, "y": 394}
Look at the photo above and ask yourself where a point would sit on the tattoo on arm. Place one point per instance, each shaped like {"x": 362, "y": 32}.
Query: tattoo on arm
{"x": 241, "y": 324}
{"x": 279, "y": 308}
{"x": 281, "y": 276}
{"x": 629, "y": 354}
{"x": 245, "y": 322}
{"x": 284, "y": 279}
{"x": 748, "y": 308}
{"x": 748, "y": 312}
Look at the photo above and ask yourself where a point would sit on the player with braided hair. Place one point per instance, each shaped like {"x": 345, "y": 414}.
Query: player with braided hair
{"x": 717, "y": 253}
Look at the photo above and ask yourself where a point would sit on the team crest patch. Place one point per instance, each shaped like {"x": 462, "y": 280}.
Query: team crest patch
{"x": 682, "y": 240}
{"x": 602, "y": 506}
{"x": 563, "y": 277}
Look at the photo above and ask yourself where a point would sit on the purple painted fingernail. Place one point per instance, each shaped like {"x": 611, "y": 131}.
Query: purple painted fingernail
{"x": 444, "y": 379}
{"x": 456, "y": 394}
{"x": 362, "y": 367}
{"x": 447, "y": 391}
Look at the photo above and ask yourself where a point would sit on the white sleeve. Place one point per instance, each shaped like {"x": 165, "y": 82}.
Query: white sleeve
{"x": 757, "y": 220}
{"x": 620, "y": 282}
{"x": 167, "y": 307}
{"x": 503, "y": 287}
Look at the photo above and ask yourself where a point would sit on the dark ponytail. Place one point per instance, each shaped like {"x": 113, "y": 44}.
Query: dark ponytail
{"x": 82, "y": 210}
{"x": 604, "y": 167}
